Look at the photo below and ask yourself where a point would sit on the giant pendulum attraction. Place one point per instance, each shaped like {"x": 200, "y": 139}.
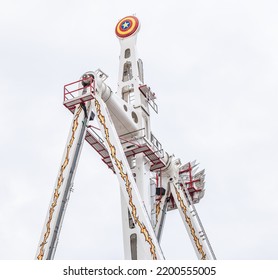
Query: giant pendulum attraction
{"x": 151, "y": 181}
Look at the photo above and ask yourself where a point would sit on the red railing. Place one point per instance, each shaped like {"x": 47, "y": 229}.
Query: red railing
{"x": 78, "y": 92}
{"x": 70, "y": 90}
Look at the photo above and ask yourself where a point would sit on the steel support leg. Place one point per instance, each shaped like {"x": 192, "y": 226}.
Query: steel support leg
{"x": 55, "y": 214}
{"x": 190, "y": 219}
{"x": 143, "y": 227}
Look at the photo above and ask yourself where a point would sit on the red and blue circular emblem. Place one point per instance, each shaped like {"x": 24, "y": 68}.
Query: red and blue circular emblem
{"x": 127, "y": 26}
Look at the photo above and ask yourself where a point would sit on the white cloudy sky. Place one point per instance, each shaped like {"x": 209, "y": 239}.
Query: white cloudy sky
{"x": 214, "y": 68}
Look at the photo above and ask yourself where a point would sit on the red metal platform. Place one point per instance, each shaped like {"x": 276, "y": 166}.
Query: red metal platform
{"x": 75, "y": 93}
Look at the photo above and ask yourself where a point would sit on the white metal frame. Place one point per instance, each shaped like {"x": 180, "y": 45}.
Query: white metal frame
{"x": 151, "y": 181}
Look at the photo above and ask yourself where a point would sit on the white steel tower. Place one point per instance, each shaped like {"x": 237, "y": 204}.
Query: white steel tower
{"x": 152, "y": 182}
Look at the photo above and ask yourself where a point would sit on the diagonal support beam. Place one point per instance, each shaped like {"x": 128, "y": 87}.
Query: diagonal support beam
{"x": 128, "y": 186}
{"x": 190, "y": 219}
{"x": 59, "y": 200}
{"x": 161, "y": 207}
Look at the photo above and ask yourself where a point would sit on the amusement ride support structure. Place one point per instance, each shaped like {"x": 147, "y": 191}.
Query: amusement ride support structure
{"x": 151, "y": 181}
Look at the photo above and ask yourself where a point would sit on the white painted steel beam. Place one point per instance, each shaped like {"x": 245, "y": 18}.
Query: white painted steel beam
{"x": 60, "y": 197}
{"x": 130, "y": 192}
{"x": 194, "y": 229}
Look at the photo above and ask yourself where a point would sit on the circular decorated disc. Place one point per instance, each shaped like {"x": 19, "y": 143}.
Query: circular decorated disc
{"x": 127, "y": 26}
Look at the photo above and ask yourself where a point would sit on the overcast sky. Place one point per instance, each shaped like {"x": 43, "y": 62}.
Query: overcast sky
{"x": 213, "y": 66}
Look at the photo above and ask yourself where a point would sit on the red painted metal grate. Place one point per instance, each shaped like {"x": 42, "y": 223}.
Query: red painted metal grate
{"x": 76, "y": 93}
